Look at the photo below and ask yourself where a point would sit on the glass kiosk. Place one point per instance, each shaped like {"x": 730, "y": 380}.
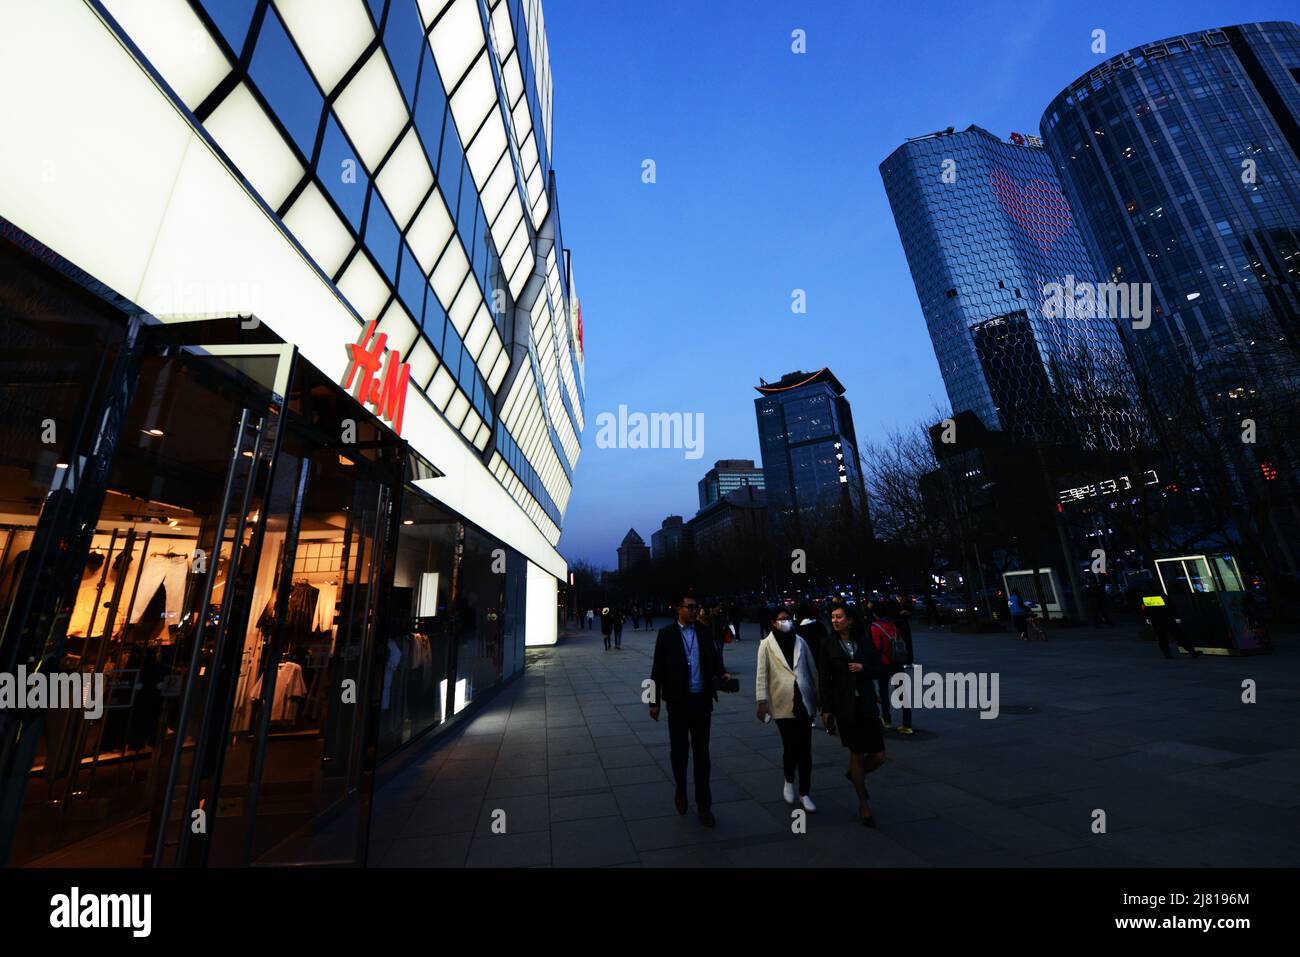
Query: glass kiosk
{"x": 1208, "y": 595}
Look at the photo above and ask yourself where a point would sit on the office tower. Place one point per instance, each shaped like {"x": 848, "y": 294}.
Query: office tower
{"x": 671, "y": 541}
{"x": 632, "y": 551}
{"x": 293, "y": 285}
{"x": 811, "y": 472}
{"x": 995, "y": 255}
{"x": 1182, "y": 158}
{"x": 726, "y": 475}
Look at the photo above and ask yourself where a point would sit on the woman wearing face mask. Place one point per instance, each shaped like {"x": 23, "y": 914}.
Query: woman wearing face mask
{"x": 848, "y": 666}
{"x": 785, "y": 686}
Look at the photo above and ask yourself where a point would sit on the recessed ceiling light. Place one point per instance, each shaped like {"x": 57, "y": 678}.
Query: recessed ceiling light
{"x": 60, "y": 465}
{"x": 154, "y": 432}
{"x": 408, "y": 521}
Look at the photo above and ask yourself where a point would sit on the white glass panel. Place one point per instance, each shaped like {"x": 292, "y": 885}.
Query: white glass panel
{"x": 320, "y": 230}
{"x": 456, "y": 40}
{"x": 423, "y": 363}
{"x": 528, "y": 152}
{"x": 372, "y": 110}
{"x": 449, "y": 274}
{"x": 477, "y": 95}
{"x": 255, "y": 146}
{"x": 521, "y": 118}
{"x": 498, "y": 372}
{"x": 429, "y": 233}
{"x": 504, "y": 227}
{"x": 399, "y": 326}
{"x": 362, "y": 285}
{"x": 429, "y": 10}
{"x": 497, "y": 188}
{"x": 443, "y": 386}
{"x": 535, "y": 188}
{"x": 330, "y": 40}
{"x": 405, "y": 178}
{"x": 469, "y": 428}
{"x": 487, "y": 148}
{"x": 514, "y": 80}
{"x": 501, "y": 30}
{"x": 488, "y": 358}
{"x": 172, "y": 37}
{"x": 541, "y": 208}
{"x": 520, "y": 275}
{"x": 468, "y": 301}
{"x": 510, "y": 255}
{"x": 478, "y": 332}
{"x": 457, "y": 408}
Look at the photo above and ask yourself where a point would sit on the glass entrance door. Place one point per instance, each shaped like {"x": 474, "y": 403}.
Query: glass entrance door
{"x": 161, "y": 587}
{"x": 300, "y": 745}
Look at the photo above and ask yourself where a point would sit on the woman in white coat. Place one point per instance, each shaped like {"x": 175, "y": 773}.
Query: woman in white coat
{"x": 785, "y": 686}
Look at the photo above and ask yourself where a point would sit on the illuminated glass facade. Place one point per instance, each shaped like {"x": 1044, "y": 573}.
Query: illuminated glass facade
{"x": 396, "y": 141}
{"x": 811, "y": 469}
{"x": 1183, "y": 158}
{"x": 986, "y": 229}
{"x": 727, "y": 475}
{"x": 283, "y": 584}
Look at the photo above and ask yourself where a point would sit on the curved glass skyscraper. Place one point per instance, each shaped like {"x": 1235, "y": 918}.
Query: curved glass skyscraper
{"x": 1182, "y": 159}
{"x": 987, "y": 232}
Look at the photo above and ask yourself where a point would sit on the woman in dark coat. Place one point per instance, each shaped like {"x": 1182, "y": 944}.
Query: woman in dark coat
{"x": 847, "y": 669}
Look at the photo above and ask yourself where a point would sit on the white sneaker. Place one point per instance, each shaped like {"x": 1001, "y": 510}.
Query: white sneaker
{"x": 788, "y": 792}
{"x": 808, "y": 805}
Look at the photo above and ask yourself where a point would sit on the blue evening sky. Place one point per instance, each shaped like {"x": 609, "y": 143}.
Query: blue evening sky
{"x": 767, "y": 182}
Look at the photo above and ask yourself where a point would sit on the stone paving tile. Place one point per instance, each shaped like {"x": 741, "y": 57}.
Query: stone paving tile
{"x": 584, "y": 806}
{"x": 636, "y": 801}
{"x": 638, "y": 774}
{"x": 1185, "y": 773}
{"x": 578, "y": 760}
{"x": 594, "y": 842}
{"x": 516, "y": 786}
{"x": 707, "y": 855}
{"x": 517, "y": 815}
{"x": 510, "y": 850}
{"x": 577, "y": 779}
{"x": 441, "y": 850}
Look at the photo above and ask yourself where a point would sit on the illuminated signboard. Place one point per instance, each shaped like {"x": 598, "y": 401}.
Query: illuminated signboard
{"x": 1109, "y": 487}
{"x": 387, "y": 395}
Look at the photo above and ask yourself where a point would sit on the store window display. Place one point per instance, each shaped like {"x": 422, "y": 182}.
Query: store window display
{"x": 415, "y": 689}
{"x": 152, "y": 587}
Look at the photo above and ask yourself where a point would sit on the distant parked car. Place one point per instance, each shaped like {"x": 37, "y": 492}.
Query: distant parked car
{"x": 955, "y": 608}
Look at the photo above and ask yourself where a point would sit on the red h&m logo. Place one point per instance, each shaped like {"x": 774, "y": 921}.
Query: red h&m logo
{"x": 386, "y": 395}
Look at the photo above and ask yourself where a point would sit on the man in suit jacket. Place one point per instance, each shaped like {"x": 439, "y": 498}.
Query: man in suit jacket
{"x": 685, "y": 673}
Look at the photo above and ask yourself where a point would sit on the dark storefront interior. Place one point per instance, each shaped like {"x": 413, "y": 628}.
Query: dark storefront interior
{"x": 238, "y": 546}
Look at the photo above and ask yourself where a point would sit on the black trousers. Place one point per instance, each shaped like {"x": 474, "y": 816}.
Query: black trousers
{"x": 688, "y": 730}
{"x": 1164, "y": 634}
{"x": 796, "y": 744}
{"x": 882, "y": 686}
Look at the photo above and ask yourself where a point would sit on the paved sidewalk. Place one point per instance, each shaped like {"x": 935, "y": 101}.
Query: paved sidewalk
{"x": 1186, "y": 774}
